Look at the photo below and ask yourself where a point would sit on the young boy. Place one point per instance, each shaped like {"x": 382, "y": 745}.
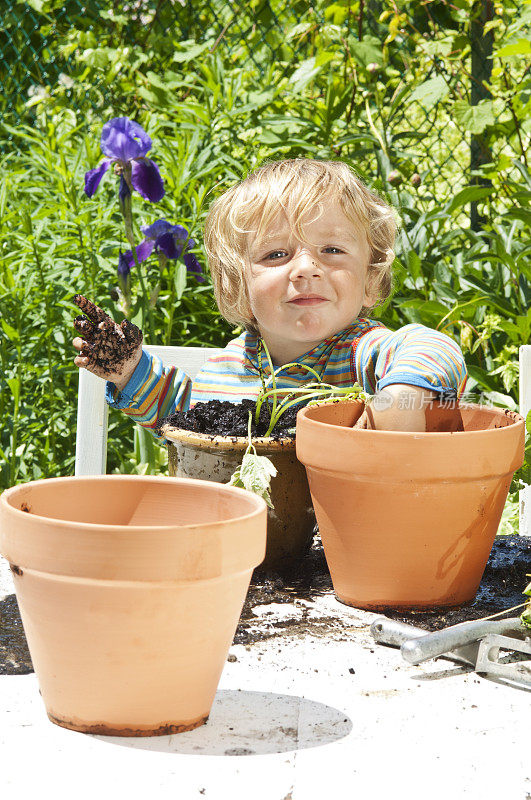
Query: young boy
{"x": 299, "y": 253}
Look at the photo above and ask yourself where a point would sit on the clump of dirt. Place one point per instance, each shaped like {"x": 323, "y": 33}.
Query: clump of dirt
{"x": 222, "y": 418}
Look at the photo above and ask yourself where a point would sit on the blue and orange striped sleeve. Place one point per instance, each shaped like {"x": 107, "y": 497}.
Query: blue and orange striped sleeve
{"x": 413, "y": 355}
{"x": 153, "y": 392}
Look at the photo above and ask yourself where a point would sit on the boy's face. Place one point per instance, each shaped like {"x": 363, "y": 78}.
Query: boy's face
{"x": 302, "y": 291}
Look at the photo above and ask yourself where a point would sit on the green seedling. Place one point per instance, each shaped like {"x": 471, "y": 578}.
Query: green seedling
{"x": 255, "y": 472}
{"x": 526, "y": 616}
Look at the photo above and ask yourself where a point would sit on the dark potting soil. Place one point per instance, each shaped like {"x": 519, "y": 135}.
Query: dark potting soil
{"x": 221, "y": 418}
{"x": 501, "y": 587}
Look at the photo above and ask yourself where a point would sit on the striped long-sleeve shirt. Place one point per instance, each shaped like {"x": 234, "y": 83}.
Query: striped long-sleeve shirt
{"x": 366, "y": 352}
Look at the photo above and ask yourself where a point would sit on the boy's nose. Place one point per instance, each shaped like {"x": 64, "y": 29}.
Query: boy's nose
{"x": 305, "y": 265}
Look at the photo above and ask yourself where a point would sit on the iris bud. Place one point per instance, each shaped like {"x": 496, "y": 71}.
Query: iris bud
{"x": 394, "y": 178}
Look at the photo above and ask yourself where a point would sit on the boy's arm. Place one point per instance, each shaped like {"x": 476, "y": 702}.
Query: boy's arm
{"x": 153, "y": 392}
{"x": 398, "y": 407}
{"x": 408, "y": 369}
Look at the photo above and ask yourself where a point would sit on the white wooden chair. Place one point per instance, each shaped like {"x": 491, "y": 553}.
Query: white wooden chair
{"x": 92, "y": 410}
{"x": 525, "y": 407}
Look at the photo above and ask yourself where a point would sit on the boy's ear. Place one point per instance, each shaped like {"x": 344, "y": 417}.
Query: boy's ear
{"x": 370, "y": 295}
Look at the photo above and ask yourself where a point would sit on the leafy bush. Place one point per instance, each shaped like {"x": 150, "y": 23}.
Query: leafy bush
{"x": 394, "y": 102}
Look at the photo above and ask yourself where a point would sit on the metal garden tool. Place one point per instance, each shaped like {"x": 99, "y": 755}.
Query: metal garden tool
{"x": 477, "y": 643}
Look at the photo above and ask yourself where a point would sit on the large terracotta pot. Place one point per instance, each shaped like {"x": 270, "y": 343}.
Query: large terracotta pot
{"x": 291, "y": 522}
{"x": 130, "y": 589}
{"x": 408, "y": 519}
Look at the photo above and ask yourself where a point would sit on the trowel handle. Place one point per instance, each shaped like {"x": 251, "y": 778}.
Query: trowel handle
{"x": 391, "y": 632}
{"x": 444, "y": 641}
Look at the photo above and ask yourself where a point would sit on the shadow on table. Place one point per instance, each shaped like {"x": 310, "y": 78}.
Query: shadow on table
{"x": 251, "y": 723}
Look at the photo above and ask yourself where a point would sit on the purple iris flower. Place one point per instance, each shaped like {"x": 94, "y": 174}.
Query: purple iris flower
{"x": 126, "y": 143}
{"x": 124, "y": 268}
{"x": 165, "y": 238}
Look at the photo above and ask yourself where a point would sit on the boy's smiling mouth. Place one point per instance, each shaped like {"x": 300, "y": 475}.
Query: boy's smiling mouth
{"x": 307, "y": 300}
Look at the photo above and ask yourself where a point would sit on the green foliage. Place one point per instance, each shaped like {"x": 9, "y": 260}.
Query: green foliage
{"x": 255, "y": 472}
{"x": 312, "y": 391}
{"x": 390, "y": 96}
{"x": 522, "y": 476}
{"x": 526, "y": 615}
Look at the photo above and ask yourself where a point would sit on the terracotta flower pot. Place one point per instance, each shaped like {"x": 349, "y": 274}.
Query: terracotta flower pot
{"x": 408, "y": 519}
{"x": 291, "y": 522}
{"x": 130, "y": 589}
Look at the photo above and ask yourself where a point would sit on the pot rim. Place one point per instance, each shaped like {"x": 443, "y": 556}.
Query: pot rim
{"x": 183, "y": 436}
{"x": 260, "y": 504}
{"x": 517, "y": 420}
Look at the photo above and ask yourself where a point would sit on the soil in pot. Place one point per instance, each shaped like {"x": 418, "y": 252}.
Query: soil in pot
{"x": 208, "y": 442}
{"x": 221, "y": 418}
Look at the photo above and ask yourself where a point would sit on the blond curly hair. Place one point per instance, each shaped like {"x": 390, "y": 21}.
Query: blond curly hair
{"x": 295, "y": 186}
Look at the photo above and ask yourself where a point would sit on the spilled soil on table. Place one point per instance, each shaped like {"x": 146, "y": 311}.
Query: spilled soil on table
{"x": 501, "y": 588}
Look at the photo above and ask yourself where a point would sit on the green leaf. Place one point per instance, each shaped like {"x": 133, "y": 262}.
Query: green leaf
{"x": 430, "y": 92}
{"x": 482, "y": 377}
{"x": 429, "y": 307}
{"x": 367, "y": 51}
{"x": 179, "y": 280}
{"x": 469, "y": 194}
{"x": 308, "y": 70}
{"x": 298, "y": 30}
{"x": 414, "y": 264}
{"x": 170, "y": 81}
{"x": 520, "y": 48}
{"x": 255, "y": 475}
{"x": 14, "y": 385}
{"x": 474, "y": 118}
{"x": 10, "y": 332}
{"x": 190, "y": 50}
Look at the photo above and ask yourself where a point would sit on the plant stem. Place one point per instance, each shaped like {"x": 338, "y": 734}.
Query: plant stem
{"x": 127, "y": 213}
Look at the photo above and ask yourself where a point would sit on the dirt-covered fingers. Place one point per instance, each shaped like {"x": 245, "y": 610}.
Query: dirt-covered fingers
{"x": 131, "y": 332}
{"x": 84, "y": 326}
{"x": 92, "y": 311}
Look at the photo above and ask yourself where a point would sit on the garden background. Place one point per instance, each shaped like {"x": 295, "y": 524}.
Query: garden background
{"x": 429, "y": 102}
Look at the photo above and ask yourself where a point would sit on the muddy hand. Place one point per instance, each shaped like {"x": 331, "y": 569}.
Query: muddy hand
{"x": 107, "y": 349}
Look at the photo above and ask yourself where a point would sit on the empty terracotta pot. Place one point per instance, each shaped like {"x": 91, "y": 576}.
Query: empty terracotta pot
{"x": 291, "y": 522}
{"x": 408, "y": 520}
{"x": 130, "y": 589}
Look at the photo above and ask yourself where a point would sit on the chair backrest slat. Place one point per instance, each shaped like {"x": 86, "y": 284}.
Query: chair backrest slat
{"x": 525, "y": 408}
{"x": 92, "y": 410}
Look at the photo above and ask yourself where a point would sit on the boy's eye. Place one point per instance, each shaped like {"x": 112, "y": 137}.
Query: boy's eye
{"x": 275, "y": 254}
{"x": 333, "y": 250}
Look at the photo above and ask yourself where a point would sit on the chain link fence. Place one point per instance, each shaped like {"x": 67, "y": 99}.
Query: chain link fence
{"x": 38, "y": 40}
